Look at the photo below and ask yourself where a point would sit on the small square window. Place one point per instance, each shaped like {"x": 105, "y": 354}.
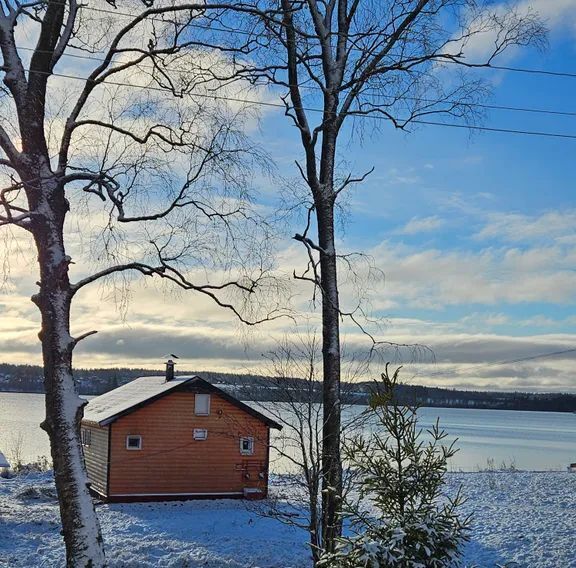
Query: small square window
{"x": 202, "y": 404}
{"x": 86, "y": 437}
{"x": 133, "y": 442}
{"x": 246, "y": 446}
{"x": 200, "y": 434}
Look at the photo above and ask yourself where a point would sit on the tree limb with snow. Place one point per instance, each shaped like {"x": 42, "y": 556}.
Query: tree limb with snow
{"x": 155, "y": 168}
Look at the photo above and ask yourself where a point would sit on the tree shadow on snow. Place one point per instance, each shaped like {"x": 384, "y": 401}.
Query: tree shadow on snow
{"x": 211, "y": 534}
{"x": 478, "y": 555}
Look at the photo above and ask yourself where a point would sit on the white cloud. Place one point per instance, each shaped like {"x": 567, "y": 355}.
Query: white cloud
{"x": 490, "y": 319}
{"x": 556, "y": 14}
{"x": 435, "y": 279}
{"x": 516, "y": 227}
{"x": 208, "y": 337}
{"x": 421, "y": 225}
{"x": 460, "y": 357}
{"x": 416, "y": 278}
{"x": 540, "y": 321}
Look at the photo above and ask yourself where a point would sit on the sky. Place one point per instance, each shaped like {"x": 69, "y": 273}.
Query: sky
{"x": 474, "y": 234}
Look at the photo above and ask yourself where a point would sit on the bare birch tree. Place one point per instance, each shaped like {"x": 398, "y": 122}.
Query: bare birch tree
{"x": 335, "y": 61}
{"x": 122, "y": 136}
{"x": 294, "y": 382}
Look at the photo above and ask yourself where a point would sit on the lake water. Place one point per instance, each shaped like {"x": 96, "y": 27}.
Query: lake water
{"x": 529, "y": 440}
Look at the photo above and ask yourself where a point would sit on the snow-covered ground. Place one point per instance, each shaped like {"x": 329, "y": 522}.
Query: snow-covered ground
{"x": 522, "y": 517}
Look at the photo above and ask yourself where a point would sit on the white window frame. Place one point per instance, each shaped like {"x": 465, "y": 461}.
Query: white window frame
{"x": 200, "y": 434}
{"x": 86, "y": 437}
{"x": 250, "y": 450}
{"x": 134, "y": 436}
{"x": 201, "y": 412}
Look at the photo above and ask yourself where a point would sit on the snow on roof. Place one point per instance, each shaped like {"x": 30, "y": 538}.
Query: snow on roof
{"x": 104, "y": 408}
{"x": 3, "y": 461}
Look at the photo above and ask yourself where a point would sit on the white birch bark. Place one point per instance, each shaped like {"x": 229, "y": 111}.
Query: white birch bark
{"x": 80, "y": 527}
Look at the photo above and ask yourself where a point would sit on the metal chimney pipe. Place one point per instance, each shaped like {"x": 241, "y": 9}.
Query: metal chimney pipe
{"x": 169, "y": 370}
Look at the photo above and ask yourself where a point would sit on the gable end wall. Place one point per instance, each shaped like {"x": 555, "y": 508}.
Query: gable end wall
{"x": 172, "y": 462}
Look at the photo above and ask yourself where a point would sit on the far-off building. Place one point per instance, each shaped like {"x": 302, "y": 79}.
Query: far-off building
{"x": 161, "y": 438}
{"x": 3, "y": 462}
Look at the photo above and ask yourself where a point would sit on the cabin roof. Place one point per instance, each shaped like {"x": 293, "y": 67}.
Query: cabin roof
{"x": 110, "y": 406}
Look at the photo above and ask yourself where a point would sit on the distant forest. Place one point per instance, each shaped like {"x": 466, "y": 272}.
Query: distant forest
{"x": 28, "y": 378}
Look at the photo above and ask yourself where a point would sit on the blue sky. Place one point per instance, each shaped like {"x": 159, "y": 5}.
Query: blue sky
{"x": 475, "y": 234}
{"x": 480, "y": 227}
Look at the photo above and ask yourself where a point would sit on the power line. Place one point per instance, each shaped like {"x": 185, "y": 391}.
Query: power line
{"x": 495, "y": 129}
{"x": 525, "y": 70}
{"x": 533, "y": 357}
{"x": 309, "y": 87}
{"x": 500, "y": 363}
{"x": 538, "y": 133}
{"x": 502, "y": 107}
{"x": 564, "y": 74}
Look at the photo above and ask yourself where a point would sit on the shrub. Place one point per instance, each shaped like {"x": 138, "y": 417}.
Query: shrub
{"x": 40, "y": 465}
{"x": 400, "y": 516}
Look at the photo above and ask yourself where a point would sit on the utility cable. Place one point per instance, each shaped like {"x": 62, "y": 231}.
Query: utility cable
{"x": 320, "y": 111}
{"x": 499, "y": 363}
{"x": 485, "y": 66}
{"x": 317, "y": 89}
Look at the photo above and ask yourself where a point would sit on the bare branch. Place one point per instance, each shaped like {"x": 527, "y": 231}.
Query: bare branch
{"x": 13, "y": 214}
{"x": 309, "y": 243}
{"x": 105, "y": 69}
{"x": 9, "y": 149}
{"x": 21, "y": 221}
{"x": 351, "y": 180}
{"x": 66, "y": 35}
{"x": 167, "y": 272}
{"x": 82, "y": 336}
{"x": 7, "y": 163}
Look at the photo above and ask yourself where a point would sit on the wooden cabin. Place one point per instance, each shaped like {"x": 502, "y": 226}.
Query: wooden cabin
{"x": 172, "y": 438}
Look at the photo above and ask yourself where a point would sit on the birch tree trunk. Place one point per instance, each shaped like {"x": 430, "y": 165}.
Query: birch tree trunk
{"x": 47, "y": 209}
{"x": 126, "y": 162}
{"x": 349, "y": 59}
{"x": 80, "y": 527}
{"x": 331, "y": 461}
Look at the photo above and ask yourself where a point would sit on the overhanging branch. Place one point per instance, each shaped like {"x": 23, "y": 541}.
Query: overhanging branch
{"x": 173, "y": 275}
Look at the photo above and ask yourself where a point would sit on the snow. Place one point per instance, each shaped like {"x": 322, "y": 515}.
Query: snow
{"x": 522, "y": 517}
{"x": 211, "y": 534}
{"x": 105, "y": 407}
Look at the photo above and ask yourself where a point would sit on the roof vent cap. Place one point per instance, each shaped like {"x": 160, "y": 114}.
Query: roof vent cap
{"x": 170, "y": 366}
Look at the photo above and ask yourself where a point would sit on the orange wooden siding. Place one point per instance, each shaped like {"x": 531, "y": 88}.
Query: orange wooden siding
{"x": 171, "y": 461}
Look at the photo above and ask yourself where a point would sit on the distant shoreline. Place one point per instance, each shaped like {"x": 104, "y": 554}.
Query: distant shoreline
{"x": 29, "y": 379}
{"x": 455, "y": 405}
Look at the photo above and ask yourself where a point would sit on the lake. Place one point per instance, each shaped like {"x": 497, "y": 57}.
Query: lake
{"x": 536, "y": 441}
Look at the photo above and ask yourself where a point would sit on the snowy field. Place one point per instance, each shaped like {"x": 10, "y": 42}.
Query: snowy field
{"x": 521, "y": 518}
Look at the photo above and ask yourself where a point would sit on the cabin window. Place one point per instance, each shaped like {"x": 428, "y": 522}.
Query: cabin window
{"x": 200, "y": 434}
{"x": 202, "y": 404}
{"x": 86, "y": 437}
{"x": 246, "y": 446}
{"x": 133, "y": 442}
